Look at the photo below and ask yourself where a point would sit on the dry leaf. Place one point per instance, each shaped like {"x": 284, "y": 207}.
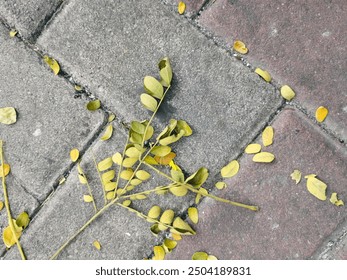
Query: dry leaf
{"x": 78, "y": 88}
{"x": 264, "y": 74}
{"x": 199, "y": 256}
{"x": 93, "y": 105}
{"x": 129, "y": 162}
{"x": 111, "y": 117}
{"x": 108, "y": 133}
{"x": 97, "y": 245}
{"x": 149, "y": 102}
{"x": 153, "y": 87}
{"x": 176, "y": 236}
{"x": 316, "y": 187}
{"x": 6, "y": 169}
{"x": 87, "y": 198}
{"x": 230, "y": 169}
{"x": 74, "y": 155}
{"x": 220, "y": 185}
{"x": 321, "y": 114}
{"x": 267, "y": 136}
{"x": 181, "y": 7}
{"x": 127, "y": 174}
{"x": 193, "y": 214}
{"x": 253, "y": 149}
{"x": 263, "y": 157}
{"x": 182, "y": 226}
{"x": 178, "y": 190}
{"x": 335, "y": 200}
{"x": 169, "y": 244}
{"x": 166, "y": 218}
{"x": 161, "y": 151}
{"x": 13, "y": 33}
{"x": 8, "y": 115}
{"x": 159, "y": 253}
{"x": 22, "y": 220}
{"x": 166, "y": 159}
{"x": 240, "y": 47}
{"x": 117, "y": 158}
{"x": 52, "y": 63}
{"x": 212, "y": 258}
{"x": 9, "y": 238}
{"x": 105, "y": 164}
{"x": 287, "y": 93}
{"x": 1, "y": 205}
{"x": 154, "y": 212}
{"x": 296, "y": 176}
{"x": 143, "y": 175}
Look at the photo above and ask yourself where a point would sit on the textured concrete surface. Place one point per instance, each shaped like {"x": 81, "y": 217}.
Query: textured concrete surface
{"x": 198, "y": 96}
{"x": 50, "y": 121}
{"x": 300, "y": 43}
{"x": 291, "y": 223}
{"x": 28, "y": 16}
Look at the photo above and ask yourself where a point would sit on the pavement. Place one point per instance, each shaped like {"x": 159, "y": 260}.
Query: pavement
{"x": 108, "y": 47}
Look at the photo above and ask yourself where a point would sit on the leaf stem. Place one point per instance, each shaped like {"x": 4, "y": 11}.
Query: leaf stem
{"x": 146, "y": 192}
{"x": 88, "y": 186}
{"x": 7, "y": 203}
{"x": 250, "y": 207}
{"x": 102, "y": 183}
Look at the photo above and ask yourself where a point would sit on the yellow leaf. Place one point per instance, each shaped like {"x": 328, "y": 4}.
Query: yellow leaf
{"x": 193, "y": 214}
{"x": 111, "y": 117}
{"x": 154, "y": 212}
{"x": 105, "y": 164}
{"x": 179, "y": 190}
{"x": 150, "y": 160}
{"x": 133, "y": 152}
{"x": 82, "y": 179}
{"x": 230, "y": 169}
{"x": 97, "y": 245}
{"x": 6, "y": 169}
{"x": 201, "y": 193}
{"x": 138, "y": 127}
{"x": 127, "y": 174}
{"x": 108, "y": 133}
{"x": 321, "y": 114}
{"x": 22, "y": 220}
{"x": 263, "y": 157}
{"x": 253, "y": 149}
{"x": 1, "y": 205}
{"x": 199, "y": 256}
{"x": 78, "y": 88}
{"x": 310, "y": 176}
{"x": 296, "y": 176}
{"x": 267, "y": 136}
{"x": 240, "y": 47}
{"x": 181, "y": 7}
{"x": 126, "y": 203}
{"x": 13, "y": 33}
{"x": 8, "y": 115}
{"x": 335, "y": 200}
{"x": 143, "y": 175}
{"x": 52, "y": 63}
{"x": 153, "y": 87}
{"x": 108, "y": 176}
{"x": 174, "y": 166}
{"x": 135, "y": 182}
{"x": 316, "y": 187}
{"x": 287, "y": 93}
{"x": 166, "y": 218}
{"x": 74, "y": 155}
{"x": 220, "y": 185}
{"x": 159, "y": 253}
{"x": 182, "y": 125}
{"x": 117, "y": 158}
{"x": 170, "y": 244}
{"x": 161, "y": 151}
{"x": 148, "y": 102}
{"x": 9, "y": 238}
{"x": 182, "y": 227}
{"x": 211, "y": 258}
{"x": 165, "y": 70}
{"x": 87, "y": 198}
{"x": 110, "y": 186}
{"x": 129, "y": 162}
{"x": 165, "y": 160}
{"x": 93, "y": 105}
{"x": 176, "y": 236}
{"x": 264, "y": 74}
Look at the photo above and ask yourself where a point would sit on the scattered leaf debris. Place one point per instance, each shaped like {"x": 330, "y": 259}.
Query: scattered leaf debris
{"x": 267, "y": 136}
{"x": 287, "y": 92}
{"x": 264, "y": 157}
{"x": 240, "y": 47}
{"x": 93, "y": 105}
{"x": 8, "y": 115}
{"x": 230, "y": 169}
{"x": 253, "y": 149}
{"x": 181, "y": 7}
{"x": 334, "y": 200}
{"x": 97, "y": 245}
{"x": 296, "y": 176}
{"x": 52, "y": 63}
{"x": 74, "y": 155}
{"x": 264, "y": 74}
{"x": 316, "y": 187}
{"x": 321, "y": 114}
{"x": 108, "y": 133}
{"x": 220, "y": 185}
{"x": 13, "y": 33}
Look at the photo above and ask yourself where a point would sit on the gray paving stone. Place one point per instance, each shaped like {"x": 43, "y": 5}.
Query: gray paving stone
{"x": 122, "y": 234}
{"x": 20, "y": 201}
{"x": 50, "y": 121}
{"x": 28, "y": 16}
{"x": 224, "y": 102}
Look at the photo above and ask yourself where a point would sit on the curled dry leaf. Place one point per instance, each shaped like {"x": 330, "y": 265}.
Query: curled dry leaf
{"x": 93, "y": 105}
{"x": 240, "y": 47}
{"x": 230, "y": 169}
{"x": 22, "y": 220}
{"x": 264, "y": 74}
{"x": 78, "y": 88}
{"x": 74, "y": 155}
{"x": 335, "y": 200}
{"x": 181, "y": 7}
{"x": 264, "y": 157}
{"x": 253, "y": 149}
{"x": 87, "y": 198}
{"x": 166, "y": 218}
{"x": 321, "y": 114}
{"x": 52, "y": 63}
{"x": 97, "y": 245}
{"x": 8, "y": 237}
{"x": 296, "y": 176}
{"x": 267, "y": 136}
{"x": 220, "y": 185}
{"x": 105, "y": 164}
{"x": 159, "y": 253}
{"x": 108, "y": 133}
{"x": 193, "y": 214}
{"x": 1, "y": 205}
{"x": 316, "y": 187}
{"x": 182, "y": 227}
{"x": 6, "y": 169}
{"x": 13, "y": 33}
{"x": 287, "y": 93}
{"x": 117, "y": 158}
{"x": 8, "y": 115}
{"x": 149, "y": 102}
{"x": 199, "y": 256}
{"x": 165, "y": 71}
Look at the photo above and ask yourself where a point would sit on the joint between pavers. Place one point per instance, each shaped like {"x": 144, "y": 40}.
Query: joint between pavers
{"x": 205, "y": 5}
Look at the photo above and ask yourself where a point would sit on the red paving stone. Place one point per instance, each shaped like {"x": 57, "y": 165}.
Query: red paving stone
{"x": 291, "y": 223}
{"x": 301, "y": 43}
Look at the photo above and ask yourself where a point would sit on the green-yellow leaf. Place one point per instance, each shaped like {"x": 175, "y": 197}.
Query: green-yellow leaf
{"x": 159, "y": 253}
{"x": 135, "y": 182}
{"x": 287, "y": 93}
{"x": 105, "y": 164}
{"x": 264, "y": 74}
{"x": 140, "y": 196}
{"x": 199, "y": 256}
{"x": 263, "y": 157}
{"x": 111, "y": 117}
{"x": 93, "y": 105}
{"x": 181, "y": 7}
{"x": 154, "y": 229}
{"x": 129, "y": 162}
{"x": 193, "y": 214}
{"x": 52, "y": 63}
{"x": 253, "y": 149}
{"x": 13, "y": 33}
{"x": 108, "y": 176}
{"x": 110, "y": 186}
{"x": 220, "y": 185}
{"x": 198, "y": 178}
{"x": 296, "y": 176}
{"x": 165, "y": 70}
{"x": 135, "y": 138}
{"x": 117, "y": 158}
{"x": 74, "y": 155}
{"x": 22, "y": 220}
{"x": 97, "y": 245}
{"x": 161, "y": 151}
{"x": 126, "y": 203}
{"x": 133, "y": 152}
{"x": 87, "y": 198}
{"x": 154, "y": 212}
{"x": 138, "y": 127}
{"x": 9, "y": 238}
{"x": 240, "y": 47}
{"x": 149, "y": 102}
{"x": 182, "y": 125}
{"x": 211, "y": 258}
{"x": 150, "y": 160}
{"x": 170, "y": 244}
{"x": 127, "y": 174}
{"x": 78, "y": 88}
{"x": 202, "y": 192}
{"x": 182, "y": 226}
{"x": 230, "y": 169}
{"x": 316, "y": 187}
{"x": 153, "y": 87}
{"x": 8, "y": 115}
{"x": 177, "y": 175}
{"x": 108, "y": 133}
{"x": 166, "y": 218}
{"x": 178, "y": 190}
{"x": 143, "y": 175}
{"x": 149, "y": 133}
{"x": 335, "y": 200}
{"x": 321, "y": 114}
{"x": 6, "y": 169}
{"x": 1, "y": 205}
{"x": 267, "y": 136}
